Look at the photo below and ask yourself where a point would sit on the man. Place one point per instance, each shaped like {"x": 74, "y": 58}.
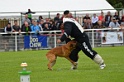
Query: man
{"x": 114, "y": 23}
{"x": 57, "y": 18}
{"x": 26, "y": 19}
{"x": 26, "y": 28}
{"x": 7, "y": 36}
{"x": 108, "y": 18}
{"x": 94, "y": 20}
{"x": 35, "y": 28}
{"x": 16, "y": 27}
{"x": 30, "y": 14}
{"x": 74, "y": 29}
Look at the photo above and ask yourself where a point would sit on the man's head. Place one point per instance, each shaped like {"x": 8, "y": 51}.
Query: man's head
{"x": 26, "y": 16}
{"x": 15, "y": 22}
{"x": 26, "y": 24}
{"x": 66, "y": 13}
{"x": 58, "y": 15}
{"x": 9, "y": 25}
{"x": 114, "y": 19}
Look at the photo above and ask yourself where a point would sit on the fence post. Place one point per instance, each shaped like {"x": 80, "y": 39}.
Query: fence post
{"x": 48, "y": 14}
{"x": 54, "y": 39}
{"x": 93, "y": 38}
{"x": 16, "y": 42}
{"x": 75, "y": 14}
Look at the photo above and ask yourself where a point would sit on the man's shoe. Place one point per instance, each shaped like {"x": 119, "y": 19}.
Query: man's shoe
{"x": 102, "y": 66}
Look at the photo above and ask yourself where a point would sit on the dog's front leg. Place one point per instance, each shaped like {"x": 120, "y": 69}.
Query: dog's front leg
{"x": 74, "y": 64}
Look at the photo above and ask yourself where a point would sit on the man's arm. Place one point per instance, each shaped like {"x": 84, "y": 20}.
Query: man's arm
{"x": 67, "y": 31}
{"x": 110, "y": 25}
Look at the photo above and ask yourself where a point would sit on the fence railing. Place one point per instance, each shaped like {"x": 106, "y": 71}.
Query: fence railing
{"x": 14, "y": 41}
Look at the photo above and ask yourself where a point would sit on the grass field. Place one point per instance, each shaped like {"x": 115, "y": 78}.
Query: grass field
{"x": 87, "y": 70}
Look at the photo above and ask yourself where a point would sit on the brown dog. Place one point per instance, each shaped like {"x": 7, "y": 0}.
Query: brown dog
{"x": 61, "y": 51}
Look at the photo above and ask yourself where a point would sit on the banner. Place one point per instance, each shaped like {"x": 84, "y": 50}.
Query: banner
{"x": 35, "y": 41}
{"x": 111, "y": 37}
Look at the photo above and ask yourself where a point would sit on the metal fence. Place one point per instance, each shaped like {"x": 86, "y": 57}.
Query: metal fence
{"x": 15, "y": 42}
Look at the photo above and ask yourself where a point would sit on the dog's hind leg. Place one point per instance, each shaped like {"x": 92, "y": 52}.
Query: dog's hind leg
{"x": 49, "y": 66}
{"x": 53, "y": 63}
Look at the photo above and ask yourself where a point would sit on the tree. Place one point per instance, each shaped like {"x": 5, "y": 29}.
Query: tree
{"x": 117, "y": 3}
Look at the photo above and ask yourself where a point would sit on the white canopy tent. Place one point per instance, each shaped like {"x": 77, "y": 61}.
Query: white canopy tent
{"x": 42, "y": 7}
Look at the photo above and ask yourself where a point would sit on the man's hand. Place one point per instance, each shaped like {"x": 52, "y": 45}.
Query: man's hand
{"x": 58, "y": 41}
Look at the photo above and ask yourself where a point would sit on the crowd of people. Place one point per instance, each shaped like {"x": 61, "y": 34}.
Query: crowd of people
{"x": 47, "y": 24}
{"x": 103, "y": 21}
{"x": 30, "y": 25}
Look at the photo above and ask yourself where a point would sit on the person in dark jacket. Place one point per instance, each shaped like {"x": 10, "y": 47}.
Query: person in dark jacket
{"x": 26, "y": 28}
{"x": 6, "y": 37}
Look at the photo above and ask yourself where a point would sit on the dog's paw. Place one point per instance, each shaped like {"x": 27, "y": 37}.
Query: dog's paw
{"x": 50, "y": 69}
{"x": 74, "y": 66}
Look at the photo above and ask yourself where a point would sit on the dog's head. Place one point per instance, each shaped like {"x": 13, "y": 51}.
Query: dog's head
{"x": 72, "y": 44}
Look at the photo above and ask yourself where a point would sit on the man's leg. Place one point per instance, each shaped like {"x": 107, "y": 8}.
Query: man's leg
{"x": 74, "y": 54}
{"x": 87, "y": 49}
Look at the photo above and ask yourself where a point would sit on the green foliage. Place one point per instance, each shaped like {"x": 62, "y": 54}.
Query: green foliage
{"x": 117, "y": 3}
{"x": 87, "y": 70}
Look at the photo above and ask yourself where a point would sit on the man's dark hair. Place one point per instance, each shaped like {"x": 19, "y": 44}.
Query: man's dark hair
{"x": 15, "y": 20}
{"x": 66, "y": 12}
{"x": 9, "y": 24}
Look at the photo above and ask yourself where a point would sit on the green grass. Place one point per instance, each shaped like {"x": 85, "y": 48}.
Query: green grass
{"x": 87, "y": 70}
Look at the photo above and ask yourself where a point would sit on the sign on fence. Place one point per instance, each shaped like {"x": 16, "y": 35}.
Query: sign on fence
{"x": 35, "y": 41}
{"x": 111, "y": 37}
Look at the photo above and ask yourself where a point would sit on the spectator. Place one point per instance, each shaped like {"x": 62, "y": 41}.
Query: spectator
{"x": 101, "y": 19}
{"x": 8, "y": 28}
{"x": 77, "y": 19}
{"x": 62, "y": 17}
{"x": 87, "y": 24}
{"x": 40, "y": 18}
{"x": 6, "y": 37}
{"x": 35, "y": 28}
{"x": 16, "y": 27}
{"x": 108, "y": 18}
{"x": 47, "y": 21}
{"x": 114, "y": 23}
{"x": 70, "y": 14}
{"x": 46, "y": 27}
{"x": 26, "y": 28}
{"x": 52, "y": 25}
{"x": 30, "y": 14}
{"x": 85, "y": 17}
{"x": 117, "y": 17}
{"x": 41, "y": 24}
{"x": 26, "y": 19}
{"x": 122, "y": 20}
{"x": 94, "y": 20}
{"x": 57, "y": 18}
{"x": 122, "y": 24}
